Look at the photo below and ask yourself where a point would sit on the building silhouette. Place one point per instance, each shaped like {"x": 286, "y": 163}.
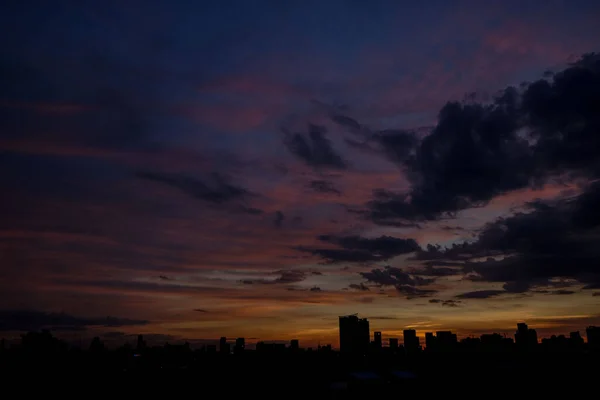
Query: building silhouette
{"x": 429, "y": 340}
{"x": 294, "y": 345}
{"x": 394, "y": 344}
{"x": 224, "y": 347}
{"x": 524, "y": 337}
{"x": 141, "y": 343}
{"x": 355, "y": 335}
{"x": 377, "y": 342}
{"x": 240, "y": 345}
{"x": 411, "y": 340}
{"x": 593, "y": 337}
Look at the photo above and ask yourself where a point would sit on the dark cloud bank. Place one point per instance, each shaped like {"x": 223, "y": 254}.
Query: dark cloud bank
{"x": 544, "y": 131}
{"x": 27, "y": 320}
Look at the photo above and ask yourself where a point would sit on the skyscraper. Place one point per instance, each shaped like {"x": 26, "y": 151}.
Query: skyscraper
{"x": 224, "y": 346}
{"x": 525, "y": 337}
{"x": 593, "y": 337}
{"x": 411, "y": 341}
{"x": 377, "y": 340}
{"x": 240, "y": 345}
{"x": 354, "y": 334}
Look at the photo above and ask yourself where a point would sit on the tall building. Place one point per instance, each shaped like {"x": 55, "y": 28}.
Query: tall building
{"x": 445, "y": 340}
{"x": 294, "y": 344}
{"x": 223, "y": 346}
{"x": 240, "y": 345}
{"x": 411, "y": 341}
{"x": 394, "y": 344}
{"x": 525, "y": 337}
{"x": 377, "y": 340}
{"x": 141, "y": 343}
{"x": 355, "y": 335}
{"x": 593, "y": 336}
{"x": 429, "y": 340}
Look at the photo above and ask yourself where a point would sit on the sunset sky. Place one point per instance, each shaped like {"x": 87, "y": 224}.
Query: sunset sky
{"x": 258, "y": 168}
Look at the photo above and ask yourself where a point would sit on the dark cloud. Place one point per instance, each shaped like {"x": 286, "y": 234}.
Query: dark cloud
{"x": 114, "y": 334}
{"x": 216, "y": 190}
{"x": 476, "y": 152}
{"x": 480, "y": 294}
{"x": 25, "y": 320}
{"x": 404, "y": 283}
{"x": 397, "y": 145}
{"x": 429, "y": 270}
{"x": 279, "y": 218}
{"x": 346, "y": 122}
{"x": 315, "y": 289}
{"x": 200, "y": 310}
{"x": 412, "y": 292}
{"x": 322, "y": 186}
{"x": 285, "y": 277}
{"x": 360, "y": 249}
{"x": 553, "y": 241}
{"x": 315, "y": 150}
{"x": 361, "y": 287}
{"x": 563, "y": 292}
{"x": 446, "y": 303}
{"x": 164, "y": 278}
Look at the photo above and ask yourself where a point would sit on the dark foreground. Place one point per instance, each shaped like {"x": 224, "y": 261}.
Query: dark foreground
{"x": 326, "y": 377}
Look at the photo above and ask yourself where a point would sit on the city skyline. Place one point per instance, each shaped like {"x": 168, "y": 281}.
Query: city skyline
{"x": 360, "y": 338}
{"x": 257, "y": 169}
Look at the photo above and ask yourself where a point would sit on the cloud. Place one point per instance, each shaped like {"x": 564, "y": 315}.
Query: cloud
{"x": 315, "y": 289}
{"x": 478, "y": 151}
{"x": 316, "y": 150}
{"x": 552, "y": 241}
{"x": 360, "y": 249}
{"x": 446, "y": 303}
{"x": 26, "y": 320}
{"x": 322, "y": 186}
{"x": 285, "y": 277}
{"x": 200, "y": 310}
{"x": 361, "y": 287}
{"x": 279, "y": 218}
{"x": 404, "y": 283}
{"x": 480, "y": 294}
{"x": 397, "y": 145}
{"x": 217, "y": 190}
{"x": 563, "y": 292}
{"x": 346, "y": 122}
{"x": 429, "y": 270}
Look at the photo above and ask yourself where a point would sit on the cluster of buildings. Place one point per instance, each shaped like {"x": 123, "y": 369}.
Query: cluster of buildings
{"x": 355, "y": 338}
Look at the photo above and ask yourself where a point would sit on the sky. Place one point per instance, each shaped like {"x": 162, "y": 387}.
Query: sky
{"x": 257, "y": 169}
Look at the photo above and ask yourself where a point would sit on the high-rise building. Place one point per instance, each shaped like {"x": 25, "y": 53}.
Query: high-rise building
{"x": 240, "y": 345}
{"x": 141, "y": 343}
{"x": 429, "y": 341}
{"x": 411, "y": 340}
{"x": 294, "y": 344}
{"x": 593, "y": 337}
{"x": 355, "y": 335}
{"x": 377, "y": 340}
{"x": 525, "y": 337}
{"x": 394, "y": 344}
{"x": 224, "y": 346}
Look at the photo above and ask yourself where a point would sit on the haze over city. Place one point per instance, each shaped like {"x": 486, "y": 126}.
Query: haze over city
{"x": 258, "y": 169}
